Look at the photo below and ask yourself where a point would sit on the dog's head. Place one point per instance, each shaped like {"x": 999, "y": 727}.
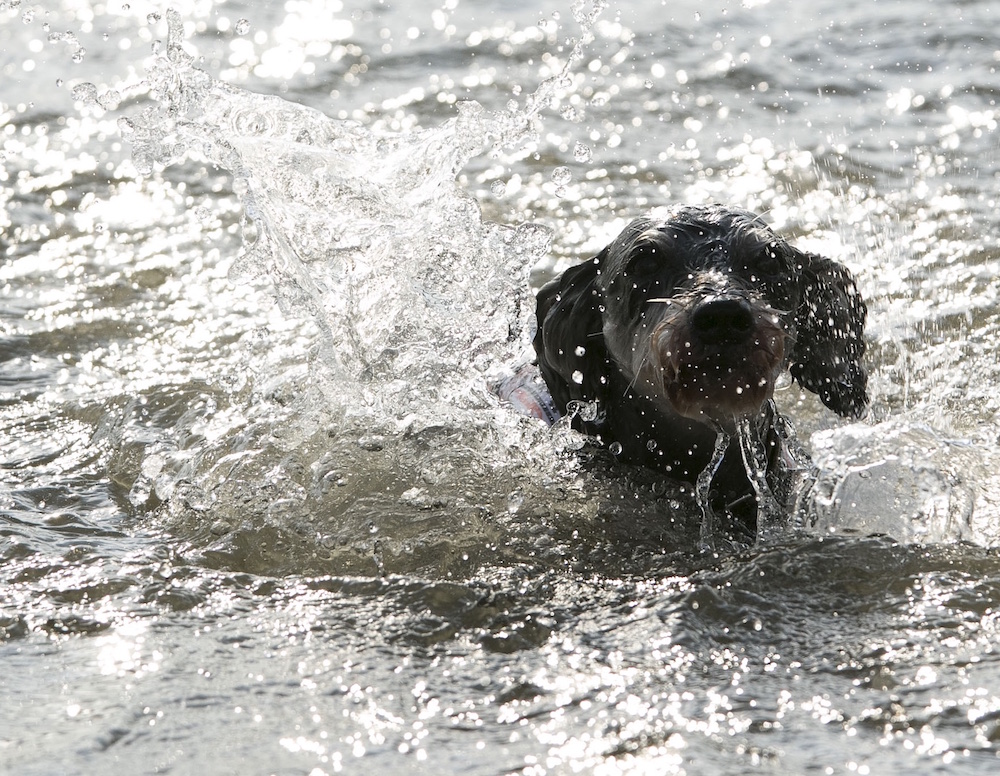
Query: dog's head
{"x": 704, "y": 309}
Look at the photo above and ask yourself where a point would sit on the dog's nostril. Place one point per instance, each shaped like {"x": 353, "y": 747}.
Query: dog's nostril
{"x": 721, "y": 320}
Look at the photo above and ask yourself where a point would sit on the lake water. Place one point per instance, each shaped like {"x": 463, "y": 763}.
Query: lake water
{"x": 259, "y": 511}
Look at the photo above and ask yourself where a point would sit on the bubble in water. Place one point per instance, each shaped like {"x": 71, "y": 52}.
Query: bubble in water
{"x": 578, "y": 377}
{"x": 153, "y": 18}
{"x": 580, "y": 350}
{"x": 615, "y": 448}
{"x": 79, "y": 55}
{"x": 242, "y": 27}
{"x": 28, "y": 16}
{"x": 582, "y": 152}
{"x": 499, "y": 188}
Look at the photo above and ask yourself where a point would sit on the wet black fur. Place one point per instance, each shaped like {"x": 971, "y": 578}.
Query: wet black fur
{"x": 819, "y": 306}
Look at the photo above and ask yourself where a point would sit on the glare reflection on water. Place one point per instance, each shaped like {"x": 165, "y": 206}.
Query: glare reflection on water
{"x": 215, "y": 556}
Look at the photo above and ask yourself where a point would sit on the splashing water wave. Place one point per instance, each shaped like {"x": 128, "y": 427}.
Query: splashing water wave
{"x": 379, "y": 447}
{"x": 367, "y": 231}
{"x": 384, "y": 449}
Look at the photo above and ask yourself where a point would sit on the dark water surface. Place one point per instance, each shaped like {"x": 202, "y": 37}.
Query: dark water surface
{"x": 259, "y": 512}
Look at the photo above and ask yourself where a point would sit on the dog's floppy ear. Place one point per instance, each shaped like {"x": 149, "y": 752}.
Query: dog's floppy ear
{"x": 829, "y": 336}
{"x": 569, "y": 340}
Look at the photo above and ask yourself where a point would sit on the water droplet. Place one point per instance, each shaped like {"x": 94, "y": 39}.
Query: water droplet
{"x": 580, "y": 350}
{"x": 110, "y": 99}
{"x": 242, "y": 27}
{"x": 498, "y": 188}
{"x": 651, "y": 445}
{"x": 615, "y": 448}
{"x": 126, "y": 127}
{"x": 153, "y": 18}
{"x": 562, "y": 175}
{"x": 143, "y": 163}
{"x": 582, "y": 152}
{"x": 85, "y": 92}
{"x": 578, "y": 377}
{"x": 79, "y": 55}
{"x": 28, "y": 16}
{"x": 586, "y": 13}
{"x": 374, "y": 443}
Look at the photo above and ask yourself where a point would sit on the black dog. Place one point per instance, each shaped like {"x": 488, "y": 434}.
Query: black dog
{"x": 681, "y": 326}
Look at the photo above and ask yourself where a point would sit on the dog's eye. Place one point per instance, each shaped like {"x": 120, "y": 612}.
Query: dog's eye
{"x": 644, "y": 265}
{"x": 767, "y": 263}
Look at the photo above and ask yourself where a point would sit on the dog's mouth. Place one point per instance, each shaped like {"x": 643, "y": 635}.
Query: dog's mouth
{"x": 719, "y": 360}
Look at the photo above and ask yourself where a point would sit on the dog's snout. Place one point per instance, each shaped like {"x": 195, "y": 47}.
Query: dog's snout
{"x": 723, "y": 320}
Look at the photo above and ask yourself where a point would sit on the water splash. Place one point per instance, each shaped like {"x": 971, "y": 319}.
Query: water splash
{"x": 389, "y": 424}
{"x": 754, "y": 449}
{"x": 367, "y": 232}
{"x": 905, "y": 480}
{"x": 780, "y": 472}
{"x": 703, "y": 486}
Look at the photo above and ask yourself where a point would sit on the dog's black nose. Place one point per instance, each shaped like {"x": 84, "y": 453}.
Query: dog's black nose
{"x": 722, "y": 320}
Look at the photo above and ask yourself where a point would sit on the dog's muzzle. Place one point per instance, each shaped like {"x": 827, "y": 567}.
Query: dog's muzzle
{"x": 718, "y": 357}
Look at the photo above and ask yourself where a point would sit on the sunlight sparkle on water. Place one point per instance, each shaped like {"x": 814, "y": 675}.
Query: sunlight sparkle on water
{"x": 382, "y": 569}
{"x": 123, "y": 651}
